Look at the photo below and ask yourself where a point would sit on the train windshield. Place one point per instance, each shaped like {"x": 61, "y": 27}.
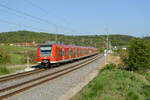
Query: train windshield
{"x": 45, "y": 50}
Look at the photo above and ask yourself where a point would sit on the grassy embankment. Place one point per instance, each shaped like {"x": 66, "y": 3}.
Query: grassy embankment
{"x": 116, "y": 84}
{"x": 16, "y": 56}
{"x": 16, "y": 53}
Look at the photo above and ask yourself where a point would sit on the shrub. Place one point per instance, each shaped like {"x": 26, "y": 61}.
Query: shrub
{"x": 147, "y": 76}
{"x": 138, "y": 56}
{"x": 4, "y": 56}
{"x": 132, "y": 96}
{"x": 110, "y": 66}
{"x": 4, "y": 70}
{"x": 32, "y": 56}
{"x": 146, "y": 91}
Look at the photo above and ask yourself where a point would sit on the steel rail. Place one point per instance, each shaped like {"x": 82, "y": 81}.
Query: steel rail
{"x": 62, "y": 72}
{"x": 41, "y": 77}
{"x": 22, "y": 74}
{"x": 13, "y": 76}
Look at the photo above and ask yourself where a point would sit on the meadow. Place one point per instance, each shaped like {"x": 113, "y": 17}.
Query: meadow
{"x": 116, "y": 84}
{"x": 17, "y": 53}
{"x": 17, "y": 56}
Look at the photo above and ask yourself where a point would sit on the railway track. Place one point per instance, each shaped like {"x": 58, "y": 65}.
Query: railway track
{"x": 14, "y": 76}
{"x": 18, "y": 88}
{"x": 22, "y": 74}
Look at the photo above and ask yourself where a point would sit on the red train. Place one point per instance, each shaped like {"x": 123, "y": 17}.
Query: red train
{"x": 58, "y": 53}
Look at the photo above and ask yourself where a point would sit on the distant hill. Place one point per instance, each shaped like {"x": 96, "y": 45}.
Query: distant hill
{"x": 39, "y": 37}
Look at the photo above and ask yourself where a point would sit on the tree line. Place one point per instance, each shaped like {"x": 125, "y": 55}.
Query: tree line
{"x": 41, "y": 37}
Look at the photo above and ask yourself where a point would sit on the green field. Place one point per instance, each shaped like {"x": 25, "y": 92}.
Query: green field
{"x": 116, "y": 85}
{"x": 16, "y": 53}
{"x": 4, "y": 70}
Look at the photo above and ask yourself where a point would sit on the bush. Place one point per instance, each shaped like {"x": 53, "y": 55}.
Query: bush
{"x": 147, "y": 76}
{"x": 110, "y": 66}
{"x": 146, "y": 91}
{"x": 132, "y": 96}
{"x": 138, "y": 56}
{"x": 32, "y": 56}
{"x": 4, "y": 56}
{"x": 4, "y": 70}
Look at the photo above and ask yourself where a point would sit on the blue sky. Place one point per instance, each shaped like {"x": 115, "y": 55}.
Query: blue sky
{"x": 78, "y": 17}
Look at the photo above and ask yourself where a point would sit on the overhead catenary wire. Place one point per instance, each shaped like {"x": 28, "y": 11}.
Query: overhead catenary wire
{"x": 24, "y": 17}
{"x": 30, "y": 16}
{"x": 26, "y": 14}
{"x": 35, "y": 17}
{"x": 26, "y": 26}
{"x": 47, "y": 12}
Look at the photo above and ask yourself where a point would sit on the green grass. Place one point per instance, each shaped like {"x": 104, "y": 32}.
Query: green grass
{"x": 4, "y": 70}
{"x": 17, "y": 59}
{"x": 116, "y": 85}
{"x": 16, "y": 53}
{"x": 17, "y": 48}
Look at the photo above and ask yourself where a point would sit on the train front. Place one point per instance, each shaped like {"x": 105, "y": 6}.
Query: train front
{"x": 44, "y": 55}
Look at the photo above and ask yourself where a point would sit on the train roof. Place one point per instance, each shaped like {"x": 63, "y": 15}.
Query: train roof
{"x": 68, "y": 45}
{"x": 72, "y": 46}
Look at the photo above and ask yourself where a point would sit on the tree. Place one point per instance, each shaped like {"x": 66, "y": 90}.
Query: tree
{"x": 4, "y": 56}
{"x": 139, "y": 55}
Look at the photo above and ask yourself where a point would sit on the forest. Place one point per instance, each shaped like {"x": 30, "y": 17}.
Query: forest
{"x": 86, "y": 40}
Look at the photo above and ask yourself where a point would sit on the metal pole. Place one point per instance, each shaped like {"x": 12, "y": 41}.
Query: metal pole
{"x": 56, "y": 33}
{"x": 107, "y": 42}
{"x": 27, "y": 61}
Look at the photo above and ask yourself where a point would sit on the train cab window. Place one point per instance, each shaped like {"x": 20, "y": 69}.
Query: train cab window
{"x": 45, "y": 50}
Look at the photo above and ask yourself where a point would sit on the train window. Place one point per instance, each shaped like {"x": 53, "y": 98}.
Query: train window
{"x": 63, "y": 52}
{"x": 86, "y": 52}
{"x": 45, "y": 50}
{"x": 70, "y": 52}
{"x": 78, "y": 52}
{"x": 67, "y": 52}
{"x": 56, "y": 51}
{"x": 60, "y": 52}
{"x": 75, "y": 52}
{"x": 83, "y": 51}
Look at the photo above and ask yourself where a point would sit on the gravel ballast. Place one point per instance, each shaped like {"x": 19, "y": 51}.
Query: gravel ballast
{"x": 56, "y": 88}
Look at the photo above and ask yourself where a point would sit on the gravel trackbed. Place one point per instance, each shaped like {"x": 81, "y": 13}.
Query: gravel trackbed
{"x": 55, "y": 89}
